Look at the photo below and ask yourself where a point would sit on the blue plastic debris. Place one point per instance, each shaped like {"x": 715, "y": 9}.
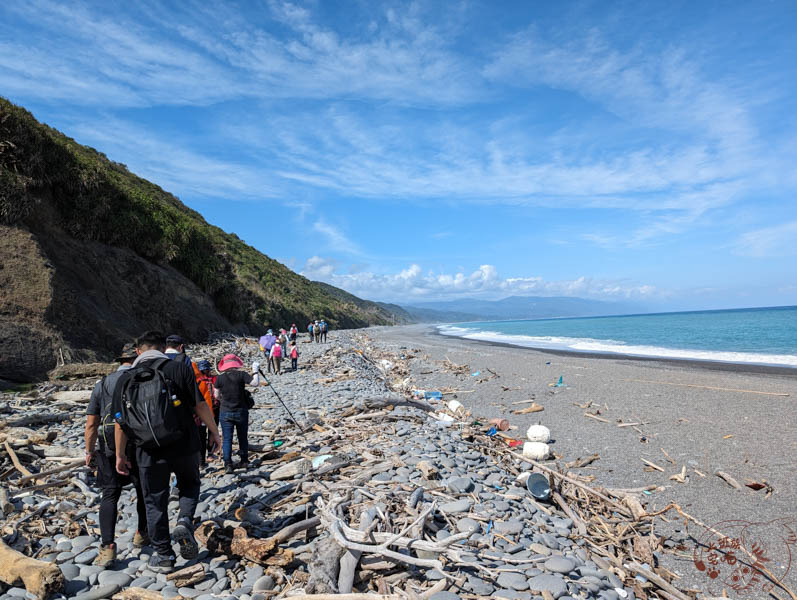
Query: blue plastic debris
{"x": 432, "y": 394}
{"x": 492, "y": 431}
{"x": 476, "y": 374}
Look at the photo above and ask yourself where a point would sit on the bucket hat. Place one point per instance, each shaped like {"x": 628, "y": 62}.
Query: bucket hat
{"x": 230, "y": 361}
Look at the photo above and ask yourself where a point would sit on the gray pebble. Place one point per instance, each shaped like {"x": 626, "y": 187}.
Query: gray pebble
{"x": 187, "y": 592}
{"x": 467, "y": 525}
{"x": 559, "y": 564}
{"x": 514, "y": 581}
{"x": 457, "y": 506}
{"x": 444, "y": 596}
{"x": 87, "y": 557}
{"x": 264, "y": 584}
{"x": 98, "y": 593}
{"x": 70, "y": 571}
{"x": 553, "y": 583}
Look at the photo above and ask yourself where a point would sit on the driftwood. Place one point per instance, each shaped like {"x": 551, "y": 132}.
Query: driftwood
{"x": 40, "y": 578}
{"x": 137, "y": 593}
{"x": 76, "y": 396}
{"x": 348, "y": 563}
{"x": 36, "y": 419}
{"x": 235, "y": 541}
{"x": 15, "y": 459}
{"x": 289, "y": 471}
{"x": 728, "y": 479}
{"x": 187, "y": 576}
{"x": 70, "y": 466}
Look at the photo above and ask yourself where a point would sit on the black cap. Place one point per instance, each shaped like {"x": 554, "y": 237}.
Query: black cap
{"x": 174, "y": 339}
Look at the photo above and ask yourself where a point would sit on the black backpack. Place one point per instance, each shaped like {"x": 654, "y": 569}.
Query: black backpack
{"x": 149, "y": 412}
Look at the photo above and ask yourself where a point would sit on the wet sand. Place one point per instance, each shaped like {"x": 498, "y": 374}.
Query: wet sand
{"x": 747, "y": 428}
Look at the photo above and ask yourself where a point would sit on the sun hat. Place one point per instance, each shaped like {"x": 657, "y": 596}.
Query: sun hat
{"x": 230, "y": 361}
{"x": 128, "y": 352}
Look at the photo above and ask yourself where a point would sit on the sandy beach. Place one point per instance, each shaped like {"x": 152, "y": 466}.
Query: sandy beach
{"x": 706, "y": 417}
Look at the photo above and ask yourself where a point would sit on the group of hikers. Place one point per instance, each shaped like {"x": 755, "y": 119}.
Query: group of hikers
{"x": 157, "y": 416}
{"x": 276, "y": 346}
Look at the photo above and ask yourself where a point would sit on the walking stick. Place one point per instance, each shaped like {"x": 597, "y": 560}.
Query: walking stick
{"x": 295, "y": 422}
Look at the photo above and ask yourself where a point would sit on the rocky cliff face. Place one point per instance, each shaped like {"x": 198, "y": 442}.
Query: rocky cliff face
{"x": 63, "y": 299}
{"x": 92, "y": 255}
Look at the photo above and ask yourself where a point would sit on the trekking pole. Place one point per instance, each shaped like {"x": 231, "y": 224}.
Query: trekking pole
{"x": 295, "y": 422}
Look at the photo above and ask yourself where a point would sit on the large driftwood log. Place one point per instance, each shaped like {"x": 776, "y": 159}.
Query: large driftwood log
{"x": 36, "y": 419}
{"x": 76, "y": 396}
{"x": 39, "y": 578}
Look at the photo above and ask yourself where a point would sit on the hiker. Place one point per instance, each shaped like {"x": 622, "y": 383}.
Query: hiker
{"x": 310, "y": 330}
{"x": 294, "y": 333}
{"x": 175, "y": 349}
{"x": 294, "y": 355}
{"x": 209, "y": 380}
{"x": 283, "y": 341}
{"x": 324, "y": 328}
{"x": 276, "y": 358}
{"x": 154, "y": 405}
{"x": 100, "y": 425}
{"x": 266, "y": 342}
{"x": 317, "y": 332}
{"x": 204, "y": 381}
{"x": 235, "y": 402}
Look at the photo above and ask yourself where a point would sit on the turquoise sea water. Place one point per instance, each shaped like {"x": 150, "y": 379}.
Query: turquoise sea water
{"x": 753, "y": 335}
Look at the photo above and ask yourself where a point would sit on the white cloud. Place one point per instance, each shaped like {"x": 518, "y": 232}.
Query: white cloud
{"x": 335, "y": 238}
{"x": 413, "y": 283}
{"x": 776, "y": 241}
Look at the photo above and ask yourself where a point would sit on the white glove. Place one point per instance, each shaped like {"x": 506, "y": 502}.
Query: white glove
{"x": 255, "y": 367}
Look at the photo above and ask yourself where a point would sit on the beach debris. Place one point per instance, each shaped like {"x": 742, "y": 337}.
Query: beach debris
{"x": 727, "y": 437}
{"x": 728, "y": 479}
{"x": 596, "y": 417}
{"x": 501, "y": 424}
{"x": 651, "y": 466}
{"x": 529, "y": 409}
{"x": 559, "y": 383}
{"x": 679, "y": 477}
{"x": 449, "y": 366}
{"x": 40, "y": 578}
{"x": 538, "y": 433}
{"x": 759, "y": 485}
{"x": 668, "y": 457}
{"x": 536, "y": 450}
{"x": 583, "y": 461}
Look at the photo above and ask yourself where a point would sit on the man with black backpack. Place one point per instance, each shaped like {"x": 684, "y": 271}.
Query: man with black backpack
{"x": 100, "y": 426}
{"x": 154, "y": 406}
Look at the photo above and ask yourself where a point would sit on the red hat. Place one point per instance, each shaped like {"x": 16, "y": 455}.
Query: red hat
{"x": 230, "y": 361}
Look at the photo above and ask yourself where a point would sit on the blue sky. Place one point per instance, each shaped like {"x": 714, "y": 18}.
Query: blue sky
{"x": 413, "y": 151}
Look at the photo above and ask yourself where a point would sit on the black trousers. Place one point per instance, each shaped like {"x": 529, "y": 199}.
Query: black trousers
{"x": 155, "y": 474}
{"x": 111, "y": 484}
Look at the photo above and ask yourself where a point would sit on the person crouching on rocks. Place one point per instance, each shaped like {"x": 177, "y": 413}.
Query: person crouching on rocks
{"x": 100, "y": 426}
{"x": 235, "y": 402}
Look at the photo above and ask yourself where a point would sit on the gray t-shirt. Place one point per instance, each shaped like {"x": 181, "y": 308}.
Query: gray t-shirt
{"x": 102, "y": 394}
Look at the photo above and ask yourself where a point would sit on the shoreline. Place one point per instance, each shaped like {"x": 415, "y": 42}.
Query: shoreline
{"x": 713, "y": 365}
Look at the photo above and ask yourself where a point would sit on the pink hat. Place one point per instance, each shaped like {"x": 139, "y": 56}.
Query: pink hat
{"x": 230, "y": 361}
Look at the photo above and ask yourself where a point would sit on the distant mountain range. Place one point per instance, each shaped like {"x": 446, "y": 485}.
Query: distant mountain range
{"x": 515, "y": 307}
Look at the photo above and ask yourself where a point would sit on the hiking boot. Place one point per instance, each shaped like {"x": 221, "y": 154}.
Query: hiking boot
{"x": 106, "y": 557}
{"x": 244, "y": 464}
{"x": 183, "y": 534}
{"x": 161, "y": 563}
{"x": 228, "y": 469}
{"x": 140, "y": 539}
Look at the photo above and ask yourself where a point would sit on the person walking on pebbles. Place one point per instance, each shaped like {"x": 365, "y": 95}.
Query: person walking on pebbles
{"x": 276, "y": 358}
{"x": 294, "y": 353}
{"x": 101, "y": 447}
{"x": 235, "y": 402}
{"x": 154, "y": 405}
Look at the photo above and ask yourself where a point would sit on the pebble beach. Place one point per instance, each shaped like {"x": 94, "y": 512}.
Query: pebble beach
{"x": 369, "y": 449}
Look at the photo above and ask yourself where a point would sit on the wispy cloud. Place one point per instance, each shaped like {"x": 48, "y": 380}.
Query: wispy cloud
{"x": 201, "y": 54}
{"x": 335, "y": 238}
{"x": 776, "y": 241}
{"x": 414, "y": 283}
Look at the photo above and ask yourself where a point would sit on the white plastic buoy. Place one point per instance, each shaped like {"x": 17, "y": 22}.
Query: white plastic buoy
{"x": 535, "y": 450}
{"x": 455, "y": 406}
{"x": 539, "y": 433}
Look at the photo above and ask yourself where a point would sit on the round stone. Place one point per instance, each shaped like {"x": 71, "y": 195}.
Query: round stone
{"x": 264, "y": 584}
{"x": 98, "y": 593}
{"x": 467, "y": 525}
{"x": 513, "y": 581}
{"x": 458, "y": 506}
{"x": 552, "y": 583}
{"x": 559, "y": 564}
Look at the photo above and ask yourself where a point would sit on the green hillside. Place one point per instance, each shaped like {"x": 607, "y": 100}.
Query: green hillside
{"x": 95, "y": 199}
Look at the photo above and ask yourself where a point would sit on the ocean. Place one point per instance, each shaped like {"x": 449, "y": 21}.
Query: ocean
{"x": 764, "y": 336}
